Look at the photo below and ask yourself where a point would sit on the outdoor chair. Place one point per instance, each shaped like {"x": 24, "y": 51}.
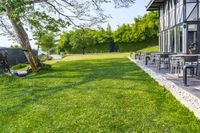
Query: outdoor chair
{"x": 142, "y": 56}
{"x": 162, "y": 61}
{"x": 191, "y": 63}
{"x": 150, "y": 58}
{"x": 147, "y": 58}
{"x": 138, "y": 55}
{"x": 176, "y": 64}
{"x": 153, "y": 58}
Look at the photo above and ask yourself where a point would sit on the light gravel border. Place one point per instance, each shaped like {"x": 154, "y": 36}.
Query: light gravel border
{"x": 188, "y": 99}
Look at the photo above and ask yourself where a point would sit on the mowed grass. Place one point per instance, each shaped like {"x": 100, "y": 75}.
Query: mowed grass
{"x": 91, "y": 93}
{"x": 151, "y": 49}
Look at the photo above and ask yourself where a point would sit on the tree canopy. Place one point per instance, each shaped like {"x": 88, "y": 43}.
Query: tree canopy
{"x": 142, "y": 28}
{"x": 47, "y": 41}
{"x": 83, "y": 38}
{"x": 19, "y": 16}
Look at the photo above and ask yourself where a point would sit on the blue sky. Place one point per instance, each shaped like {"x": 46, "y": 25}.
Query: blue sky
{"x": 126, "y": 15}
{"x": 119, "y": 17}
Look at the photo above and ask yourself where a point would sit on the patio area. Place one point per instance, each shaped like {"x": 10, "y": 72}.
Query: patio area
{"x": 187, "y": 95}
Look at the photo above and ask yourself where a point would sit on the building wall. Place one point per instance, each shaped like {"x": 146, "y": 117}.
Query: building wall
{"x": 171, "y": 26}
{"x": 175, "y": 16}
{"x": 15, "y": 56}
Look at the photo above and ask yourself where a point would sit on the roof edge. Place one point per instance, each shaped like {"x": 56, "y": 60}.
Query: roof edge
{"x": 154, "y": 5}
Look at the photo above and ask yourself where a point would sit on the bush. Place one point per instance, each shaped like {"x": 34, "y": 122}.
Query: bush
{"x": 46, "y": 67}
{"x": 43, "y": 57}
{"x": 125, "y": 47}
{"x": 19, "y": 66}
{"x": 132, "y": 47}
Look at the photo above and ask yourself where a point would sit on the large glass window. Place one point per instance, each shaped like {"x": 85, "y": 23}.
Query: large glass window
{"x": 161, "y": 42}
{"x": 172, "y": 41}
{"x": 166, "y": 15}
{"x": 179, "y": 39}
{"x": 192, "y": 39}
{"x": 191, "y": 10}
{"x": 172, "y": 12}
{"x": 165, "y": 45}
{"x": 161, "y": 18}
{"x": 179, "y": 11}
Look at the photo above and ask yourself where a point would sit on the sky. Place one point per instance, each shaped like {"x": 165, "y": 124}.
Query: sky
{"x": 119, "y": 17}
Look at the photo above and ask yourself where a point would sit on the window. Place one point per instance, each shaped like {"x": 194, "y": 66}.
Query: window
{"x": 192, "y": 38}
{"x": 172, "y": 41}
{"x": 172, "y": 13}
{"x": 179, "y": 11}
{"x": 166, "y": 15}
{"x": 161, "y": 42}
{"x": 161, "y": 18}
{"x": 179, "y": 39}
{"x": 191, "y": 10}
{"x": 166, "y": 47}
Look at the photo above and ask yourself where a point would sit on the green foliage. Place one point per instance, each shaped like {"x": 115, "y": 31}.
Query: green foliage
{"x": 92, "y": 93}
{"x": 36, "y": 19}
{"x": 151, "y": 49}
{"x": 19, "y": 66}
{"x": 142, "y": 33}
{"x": 43, "y": 57}
{"x": 82, "y": 39}
{"x": 51, "y": 16}
{"x": 47, "y": 41}
{"x": 142, "y": 29}
{"x": 46, "y": 67}
{"x": 15, "y": 46}
{"x": 64, "y": 43}
{"x": 136, "y": 46}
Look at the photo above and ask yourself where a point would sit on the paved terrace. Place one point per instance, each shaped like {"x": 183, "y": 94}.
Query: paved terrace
{"x": 188, "y": 96}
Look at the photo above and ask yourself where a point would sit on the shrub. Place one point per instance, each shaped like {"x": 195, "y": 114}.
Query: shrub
{"x": 42, "y": 57}
{"x": 19, "y": 66}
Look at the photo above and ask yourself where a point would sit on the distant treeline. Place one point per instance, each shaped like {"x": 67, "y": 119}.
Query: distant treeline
{"x": 128, "y": 37}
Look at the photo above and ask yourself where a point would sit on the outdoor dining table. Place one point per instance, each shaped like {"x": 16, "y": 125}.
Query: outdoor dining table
{"x": 182, "y": 59}
{"x": 184, "y": 55}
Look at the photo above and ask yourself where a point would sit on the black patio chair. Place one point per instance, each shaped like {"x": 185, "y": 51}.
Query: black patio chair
{"x": 163, "y": 59}
{"x": 190, "y": 63}
{"x": 147, "y": 57}
{"x": 138, "y": 55}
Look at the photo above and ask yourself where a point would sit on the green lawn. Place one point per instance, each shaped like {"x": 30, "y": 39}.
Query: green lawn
{"x": 91, "y": 93}
{"x": 151, "y": 49}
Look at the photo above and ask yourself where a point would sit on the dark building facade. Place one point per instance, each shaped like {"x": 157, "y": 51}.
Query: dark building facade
{"x": 15, "y": 56}
{"x": 179, "y": 25}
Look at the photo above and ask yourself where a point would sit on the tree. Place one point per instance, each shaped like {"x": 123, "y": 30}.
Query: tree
{"x": 47, "y": 42}
{"x": 64, "y": 43}
{"x": 15, "y": 46}
{"x": 48, "y": 14}
{"x": 82, "y": 39}
{"x": 143, "y": 28}
{"x": 109, "y": 39}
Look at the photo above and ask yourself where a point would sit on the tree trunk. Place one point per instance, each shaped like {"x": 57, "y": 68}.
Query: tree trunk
{"x": 112, "y": 45}
{"x": 24, "y": 41}
{"x": 83, "y": 50}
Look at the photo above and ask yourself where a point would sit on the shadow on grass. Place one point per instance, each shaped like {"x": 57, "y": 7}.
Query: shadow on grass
{"x": 63, "y": 76}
